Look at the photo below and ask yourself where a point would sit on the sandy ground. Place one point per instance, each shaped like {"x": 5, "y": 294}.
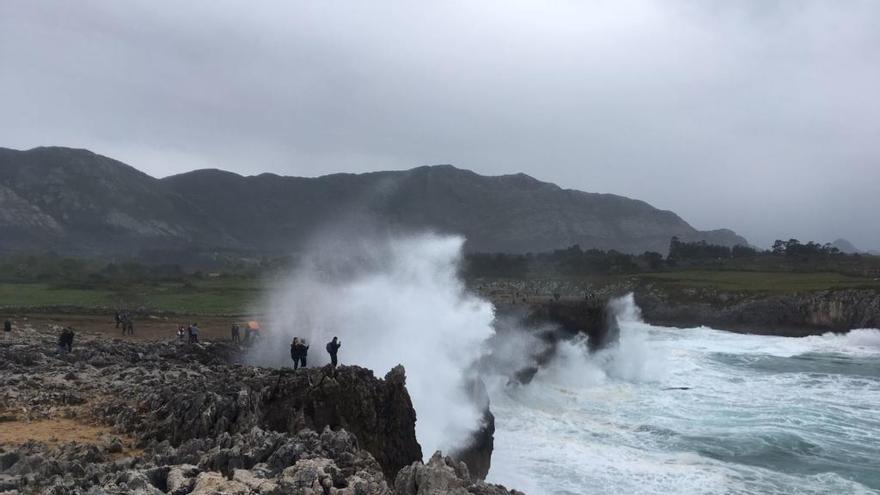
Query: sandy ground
{"x": 51, "y": 431}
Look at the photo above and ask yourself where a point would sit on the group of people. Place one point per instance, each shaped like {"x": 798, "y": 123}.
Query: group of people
{"x": 299, "y": 351}
{"x": 65, "y": 340}
{"x": 191, "y": 332}
{"x": 125, "y": 320}
{"x": 251, "y": 331}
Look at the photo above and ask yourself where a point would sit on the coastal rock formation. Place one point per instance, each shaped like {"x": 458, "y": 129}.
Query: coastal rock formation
{"x": 477, "y": 454}
{"x": 442, "y": 476}
{"x": 589, "y": 317}
{"x": 794, "y": 315}
{"x": 169, "y": 418}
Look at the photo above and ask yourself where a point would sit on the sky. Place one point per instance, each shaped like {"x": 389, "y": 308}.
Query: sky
{"x": 756, "y": 115}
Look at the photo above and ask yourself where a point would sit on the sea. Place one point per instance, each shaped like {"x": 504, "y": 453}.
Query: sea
{"x": 695, "y": 411}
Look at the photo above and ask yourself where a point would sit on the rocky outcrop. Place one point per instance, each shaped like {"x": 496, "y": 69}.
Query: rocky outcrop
{"x": 788, "y": 314}
{"x": 442, "y": 476}
{"x": 477, "y": 454}
{"x": 191, "y": 420}
{"x": 589, "y": 317}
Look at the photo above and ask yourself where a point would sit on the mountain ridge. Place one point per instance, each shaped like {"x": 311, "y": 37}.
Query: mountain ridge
{"x": 79, "y": 202}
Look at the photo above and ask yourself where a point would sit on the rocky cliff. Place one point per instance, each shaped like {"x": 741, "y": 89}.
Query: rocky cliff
{"x": 795, "y": 314}
{"x": 177, "y": 419}
{"x": 582, "y": 307}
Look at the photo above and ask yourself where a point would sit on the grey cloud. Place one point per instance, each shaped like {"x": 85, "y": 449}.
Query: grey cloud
{"x": 754, "y": 115}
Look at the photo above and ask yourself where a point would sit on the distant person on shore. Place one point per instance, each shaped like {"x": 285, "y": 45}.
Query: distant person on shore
{"x": 194, "y": 335}
{"x": 333, "y": 348}
{"x": 118, "y": 319}
{"x": 180, "y": 333}
{"x": 65, "y": 340}
{"x": 235, "y": 333}
{"x": 129, "y": 326}
{"x": 7, "y": 326}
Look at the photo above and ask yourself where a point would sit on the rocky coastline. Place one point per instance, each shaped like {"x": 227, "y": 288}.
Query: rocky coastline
{"x": 168, "y": 418}
{"x": 581, "y": 308}
{"x": 788, "y": 315}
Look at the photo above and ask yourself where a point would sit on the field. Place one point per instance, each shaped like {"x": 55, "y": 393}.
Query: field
{"x": 240, "y": 296}
{"x": 193, "y": 297}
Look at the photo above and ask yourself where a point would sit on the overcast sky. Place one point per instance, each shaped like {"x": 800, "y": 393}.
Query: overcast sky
{"x": 759, "y": 116}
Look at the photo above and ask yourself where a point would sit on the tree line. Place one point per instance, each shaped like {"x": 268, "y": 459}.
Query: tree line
{"x": 785, "y": 255}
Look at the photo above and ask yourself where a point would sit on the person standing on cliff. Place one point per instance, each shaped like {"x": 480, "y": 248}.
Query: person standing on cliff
{"x": 332, "y": 348}
{"x": 295, "y": 352}
{"x": 304, "y": 351}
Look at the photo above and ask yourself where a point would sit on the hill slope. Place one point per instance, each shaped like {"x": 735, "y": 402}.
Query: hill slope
{"x": 76, "y": 201}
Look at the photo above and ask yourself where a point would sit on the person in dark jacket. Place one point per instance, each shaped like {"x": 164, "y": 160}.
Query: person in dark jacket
{"x": 69, "y": 339}
{"x": 294, "y": 352}
{"x": 332, "y": 348}
{"x": 65, "y": 341}
{"x": 235, "y": 333}
{"x": 62, "y": 341}
{"x": 7, "y": 326}
{"x": 303, "y": 352}
{"x": 298, "y": 352}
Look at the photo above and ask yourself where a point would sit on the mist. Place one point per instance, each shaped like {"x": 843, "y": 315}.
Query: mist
{"x": 391, "y": 300}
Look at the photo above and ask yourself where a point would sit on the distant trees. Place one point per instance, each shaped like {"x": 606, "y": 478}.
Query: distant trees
{"x": 793, "y": 247}
{"x": 699, "y": 250}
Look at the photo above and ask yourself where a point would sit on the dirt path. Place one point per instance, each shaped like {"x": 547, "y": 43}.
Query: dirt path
{"x": 145, "y": 328}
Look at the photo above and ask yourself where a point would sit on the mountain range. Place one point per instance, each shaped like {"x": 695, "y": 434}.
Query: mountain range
{"x": 73, "y": 201}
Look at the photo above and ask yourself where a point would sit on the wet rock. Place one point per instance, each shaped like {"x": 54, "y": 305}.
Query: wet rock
{"x": 477, "y": 454}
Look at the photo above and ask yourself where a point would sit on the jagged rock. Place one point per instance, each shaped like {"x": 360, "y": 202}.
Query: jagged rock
{"x": 443, "y": 475}
{"x": 477, "y": 454}
{"x": 256, "y": 484}
{"x": 181, "y": 479}
{"x": 213, "y": 483}
{"x": 204, "y": 422}
{"x": 794, "y": 315}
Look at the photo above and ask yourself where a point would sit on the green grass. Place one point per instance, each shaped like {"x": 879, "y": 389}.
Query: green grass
{"x": 228, "y": 296}
{"x": 37, "y": 295}
{"x": 210, "y": 297}
{"x": 760, "y": 281}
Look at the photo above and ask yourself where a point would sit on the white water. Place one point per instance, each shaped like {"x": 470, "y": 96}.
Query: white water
{"x": 762, "y": 415}
{"x": 390, "y": 300}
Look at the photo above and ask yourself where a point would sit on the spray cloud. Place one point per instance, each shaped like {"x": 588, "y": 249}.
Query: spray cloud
{"x": 390, "y": 300}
